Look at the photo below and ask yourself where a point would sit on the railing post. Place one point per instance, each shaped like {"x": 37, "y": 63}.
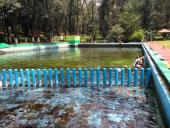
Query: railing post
{"x": 68, "y": 76}
{"x": 86, "y": 77}
{"x": 104, "y": 76}
{"x": 28, "y": 77}
{"x": 80, "y": 76}
{"x": 116, "y": 77}
{"x": 50, "y": 77}
{"x": 62, "y": 76}
{"x": 148, "y": 76}
{"x": 142, "y": 75}
{"x": 129, "y": 77}
{"x": 45, "y": 77}
{"x": 16, "y": 77}
{"x": 74, "y": 77}
{"x": 56, "y": 76}
{"x": 4, "y": 79}
{"x": 110, "y": 76}
{"x": 122, "y": 76}
{"x": 39, "y": 77}
{"x": 0, "y": 75}
{"x": 10, "y": 77}
{"x": 92, "y": 76}
{"x": 22, "y": 77}
{"x": 33, "y": 77}
{"x": 135, "y": 77}
{"x": 98, "y": 76}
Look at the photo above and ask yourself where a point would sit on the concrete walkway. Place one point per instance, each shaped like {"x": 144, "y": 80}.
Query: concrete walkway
{"x": 161, "y": 50}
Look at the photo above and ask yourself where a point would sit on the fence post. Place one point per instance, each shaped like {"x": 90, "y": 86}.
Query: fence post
{"x": 85, "y": 76}
{"x": 10, "y": 77}
{"x": 56, "y": 76}
{"x": 0, "y": 75}
{"x": 129, "y": 77}
{"x": 68, "y": 76}
{"x": 16, "y": 77}
{"x": 142, "y": 75}
{"x": 116, "y": 77}
{"x": 104, "y": 76}
{"x": 74, "y": 77}
{"x": 39, "y": 77}
{"x": 45, "y": 77}
{"x": 33, "y": 77}
{"x": 62, "y": 76}
{"x": 80, "y": 76}
{"x": 148, "y": 76}
{"x": 98, "y": 76}
{"x": 110, "y": 76}
{"x": 22, "y": 77}
{"x": 4, "y": 80}
{"x": 135, "y": 77}
{"x": 122, "y": 76}
{"x": 92, "y": 76}
{"x": 50, "y": 77}
{"x": 28, "y": 77}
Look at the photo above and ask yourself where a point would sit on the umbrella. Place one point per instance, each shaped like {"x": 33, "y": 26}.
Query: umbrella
{"x": 164, "y": 31}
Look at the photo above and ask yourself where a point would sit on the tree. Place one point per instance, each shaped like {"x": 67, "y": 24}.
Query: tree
{"x": 104, "y": 20}
{"x": 89, "y": 17}
{"x": 130, "y": 20}
{"x": 8, "y": 16}
{"x": 72, "y": 17}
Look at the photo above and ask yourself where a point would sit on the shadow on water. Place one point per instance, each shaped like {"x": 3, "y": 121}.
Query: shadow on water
{"x": 77, "y": 107}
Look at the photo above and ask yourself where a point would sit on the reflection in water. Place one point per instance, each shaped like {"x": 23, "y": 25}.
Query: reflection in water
{"x": 70, "y": 57}
{"x": 77, "y": 107}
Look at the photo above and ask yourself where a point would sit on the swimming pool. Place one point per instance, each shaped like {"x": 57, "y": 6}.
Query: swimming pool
{"x": 106, "y": 106}
{"x": 71, "y": 58}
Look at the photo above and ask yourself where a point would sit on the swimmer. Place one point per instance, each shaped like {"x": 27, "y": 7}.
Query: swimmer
{"x": 139, "y": 62}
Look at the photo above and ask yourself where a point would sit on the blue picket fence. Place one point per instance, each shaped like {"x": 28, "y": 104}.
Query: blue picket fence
{"x": 76, "y": 77}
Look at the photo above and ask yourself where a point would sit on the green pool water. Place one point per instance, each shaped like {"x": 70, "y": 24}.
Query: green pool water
{"x": 71, "y": 57}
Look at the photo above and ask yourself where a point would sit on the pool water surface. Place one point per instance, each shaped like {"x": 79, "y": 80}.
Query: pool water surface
{"x": 71, "y": 58}
{"x": 103, "y": 107}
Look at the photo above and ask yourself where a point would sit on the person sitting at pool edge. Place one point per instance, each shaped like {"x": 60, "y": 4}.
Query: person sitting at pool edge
{"x": 138, "y": 63}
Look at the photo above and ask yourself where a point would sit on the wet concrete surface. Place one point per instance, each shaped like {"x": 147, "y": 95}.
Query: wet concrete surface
{"x": 109, "y": 107}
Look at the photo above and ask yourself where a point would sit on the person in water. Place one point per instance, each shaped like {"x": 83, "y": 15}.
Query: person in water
{"x": 139, "y": 62}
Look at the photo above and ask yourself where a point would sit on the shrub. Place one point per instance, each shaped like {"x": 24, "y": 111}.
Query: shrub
{"x": 116, "y": 33}
{"x": 138, "y": 35}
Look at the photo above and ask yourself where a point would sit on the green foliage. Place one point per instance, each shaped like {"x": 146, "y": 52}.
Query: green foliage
{"x": 104, "y": 20}
{"x": 116, "y": 33}
{"x": 130, "y": 19}
{"x": 114, "y": 19}
{"x": 85, "y": 38}
{"x": 157, "y": 37}
{"x": 138, "y": 35}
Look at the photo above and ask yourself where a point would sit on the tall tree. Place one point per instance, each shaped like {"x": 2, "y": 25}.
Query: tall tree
{"x": 72, "y": 16}
{"x": 130, "y": 19}
{"x": 104, "y": 21}
{"x": 8, "y": 16}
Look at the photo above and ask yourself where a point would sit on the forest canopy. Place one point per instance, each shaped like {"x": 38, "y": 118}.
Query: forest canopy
{"x": 109, "y": 19}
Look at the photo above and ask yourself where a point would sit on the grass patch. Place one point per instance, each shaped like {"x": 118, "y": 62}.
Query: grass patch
{"x": 165, "y": 43}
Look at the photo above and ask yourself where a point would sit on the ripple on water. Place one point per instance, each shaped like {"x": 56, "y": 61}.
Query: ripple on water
{"x": 77, "y": 107}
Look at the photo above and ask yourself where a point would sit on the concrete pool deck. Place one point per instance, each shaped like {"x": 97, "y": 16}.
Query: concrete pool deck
{"x": 160, "y": 78}
{"x": 161, "y": 57}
